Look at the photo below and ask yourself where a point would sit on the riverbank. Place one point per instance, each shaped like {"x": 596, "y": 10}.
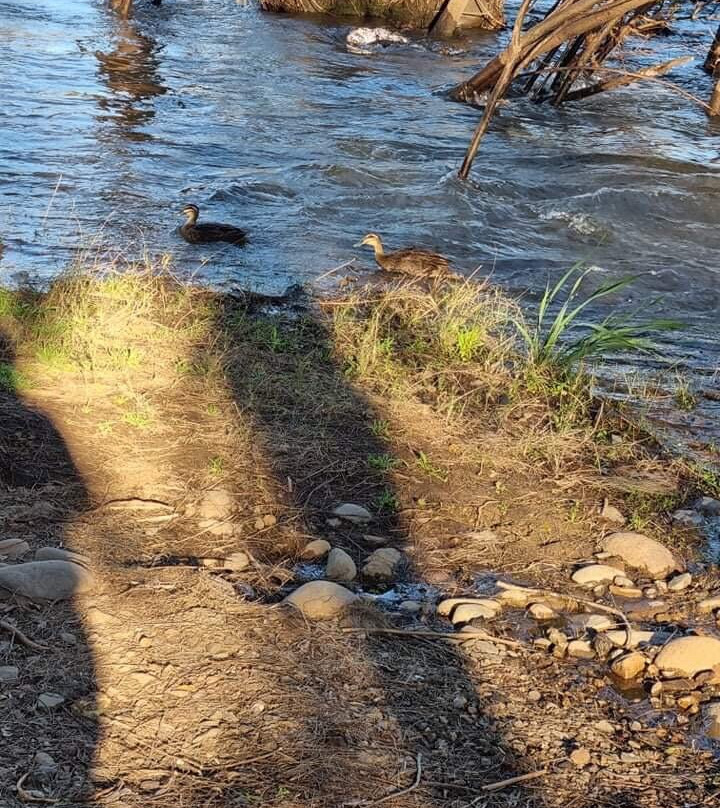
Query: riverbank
{"x": 192, "y": 445}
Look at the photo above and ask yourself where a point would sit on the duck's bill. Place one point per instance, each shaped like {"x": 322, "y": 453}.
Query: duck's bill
{"x": 360, "y": 243}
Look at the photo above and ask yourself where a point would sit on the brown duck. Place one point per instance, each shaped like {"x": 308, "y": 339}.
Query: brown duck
{"x": 207, "y": 232}
{"x": 410, "y": 261}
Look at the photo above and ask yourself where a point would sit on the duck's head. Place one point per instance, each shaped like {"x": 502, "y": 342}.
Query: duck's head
{"x": 372, "y": 240}
{"x": 191, "y": 212}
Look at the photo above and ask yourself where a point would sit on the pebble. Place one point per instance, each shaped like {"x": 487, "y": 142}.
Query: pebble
{"x": 459, "y": 702}
{"x": 320, "y": 600}
{"x": 44, "y": 763}
{"x": 237, "y": 562}
{"x": 709, "y": 605}
{"x": 612, "y": 514}
{"x": 645, "y": 609}
{"x": 622, "y": 580}
{"x": 375, "y": 541}
{"x": 445, "y": 607}
{"x": 518, "y": 598}
{"x": 605, "y": 726}
{"x": 315, "y": 550}
{"x": 381, "y": 564}
{"x": 333, "y": 521}
{"x": 45, "y": 580}
{"x": 642, "y": 553}
{"x": 599, "y": 622}
{"x": 580, "y": 757}
{"x": 216, "y": 504}
{"x": 13, "y": 548}
{"x": 540, "y": 611}
{"x": 9, "y": 673}
{"x": 466, "y": 612}
{"x": 580, "y": 649}
{"x": 629, "y": 666}
{"x": 625, "y": 591}
{"x": 353, "y": 513}
{"x": 680, "y": 582}
{"x": 596, "y": 574}
{"x": 50, "y": 700}
{"x": 340, "y": 567}
{"x": 650, "y": 592}
{"x": 686, "y": 656}
{"x": 534, "y": 696}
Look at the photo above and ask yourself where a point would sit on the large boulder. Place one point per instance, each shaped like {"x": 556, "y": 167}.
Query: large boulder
{"x": 686, "y": 656}
{"x": 320, "y": 600}
{"x": 641, "y": 553}
{"x": 45, "y": 580}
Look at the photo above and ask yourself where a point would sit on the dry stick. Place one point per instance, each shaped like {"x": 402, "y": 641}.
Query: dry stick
{"x": 23, "y": 638}
{"x": 31, "y": 796}
{"x": 630, "y": 78}
{"x": 462, "y": 636}
{"x": 520, "y": 778}
{"x": 512, "y": 54}
{"x": 400, "y": 793}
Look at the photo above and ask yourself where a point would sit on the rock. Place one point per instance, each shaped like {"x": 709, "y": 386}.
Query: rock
{"x": 445, "y": 607}
{"x": 216, "y": 504}
{"x": 617, "y": 637}
{"x": 687, "y": 518}
{"x": 410, "y": 607}
{"x": 13, "y": 548}
{"x": 645, "y": 609}
{"x": 680, "y": 582}
{"x": 320, "y": 600}
{"x": 580, "y": 757}
{"x": 381, "y": 564}
{"x": 596, "y": 574}
{"x": 60, "y": 554}
{"x": 44, "y": 763}
{"x": 707, "y": 506}
{"x": 50, "y": 700}
{"x": 333, "y": 521}
{"x": 625, "y": 591}
{"x": 650, "y": 592}
{"x": 340, "y": 567}
{"x": 711, "y": 715}
{"x": 466, "y": 612}
{"x": 46, "y": 580}
{"x": 686, "y": 656}
{"x": 9, "y": 673}
{"x": 459, "y": 702}
{"x": 622, "y": 580}
{"x": 315, "y": 550}
{"x": 599, "y": 622}
{"x": 605, "y": 727}
{"x": 541, "y": 612}
{"x": 237, "y": 562}
{"x": 534, "y": 696}
{"x": 580, "y": 649}
{"x": 642, "y": 553}
{"x": 375, "y": 541}
{"x": 612, "y": 514}
{"x": 629, "y": 666}
{"x": 709, "y": 604}
{"x": 353, "y": 513}
{"x": 516, "y": 597}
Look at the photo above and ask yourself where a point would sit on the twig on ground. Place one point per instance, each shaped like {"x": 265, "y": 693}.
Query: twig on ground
{"x": 462, "y": 636}
{"x": 23, "y": 638}
{"x": 520, "y": 778}
{"x": 400, "y": 793}
{"x": 31, "y": 796}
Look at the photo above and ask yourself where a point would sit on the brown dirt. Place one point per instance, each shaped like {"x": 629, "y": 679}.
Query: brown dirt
{"x": 188, "y": 686}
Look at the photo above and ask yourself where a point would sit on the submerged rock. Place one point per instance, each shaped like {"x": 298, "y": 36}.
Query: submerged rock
{"x": 320, "y": 600}
{"x": 46, "y": 580}
{"x": 686, "y": 656}
{"x": 340, "y": 567}
{"x": 642, "y": 553}
{"x": 362, "y": 40}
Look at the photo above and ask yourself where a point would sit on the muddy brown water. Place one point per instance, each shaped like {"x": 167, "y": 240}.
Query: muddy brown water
{"x": 266, "y": 121}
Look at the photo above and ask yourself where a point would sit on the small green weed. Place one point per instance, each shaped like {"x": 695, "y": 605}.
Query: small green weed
{"x": 216, "y": 466}
{"x": 429, "y": 468}
{"x": 382, "y": 462}
{"x": 386, "y": 501}
{"x": 684, "y": 396}
{"x": 11, "y": 380}
{"x": 105, "y": 427}
{"x": 137, "y": 419}
{"x": 380, "y": 428}
{"x": 468, "y": 342}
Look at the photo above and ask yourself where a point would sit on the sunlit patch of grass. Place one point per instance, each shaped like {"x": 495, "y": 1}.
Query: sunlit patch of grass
{"x": 105, "y": 428}
{"x": 216, "y": 466}
{"x": 53, "y": 358}
{"x": 430, "y": 468}
{"x": 139, "y": 419}
{"x": 684, "y": 396}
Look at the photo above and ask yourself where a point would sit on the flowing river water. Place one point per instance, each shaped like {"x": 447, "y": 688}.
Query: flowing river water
{"x": 267, "y": 121}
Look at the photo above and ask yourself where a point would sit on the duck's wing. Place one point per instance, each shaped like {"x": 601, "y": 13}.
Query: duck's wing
{"x": 209, "y": 231}
{"x": 415, "y": 261}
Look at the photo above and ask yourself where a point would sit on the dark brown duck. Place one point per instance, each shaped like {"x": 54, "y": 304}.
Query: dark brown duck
{"x": 410, "y": 261}
{"x": 208, "y": 232}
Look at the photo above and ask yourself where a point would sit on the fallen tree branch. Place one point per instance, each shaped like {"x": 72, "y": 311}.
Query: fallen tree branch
{"x": 23, "y": 638}
{"x": 31, "y": 796}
